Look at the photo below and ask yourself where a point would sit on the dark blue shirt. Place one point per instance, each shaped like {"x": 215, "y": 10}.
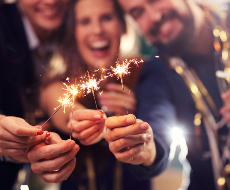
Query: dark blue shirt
{"x": 164, "y": 101}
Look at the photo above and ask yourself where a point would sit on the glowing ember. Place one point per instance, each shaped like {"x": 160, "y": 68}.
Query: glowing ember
{"x": 90, "y": 84}
{"x": 123, "y": 69}
{"x": 66, "y": 102}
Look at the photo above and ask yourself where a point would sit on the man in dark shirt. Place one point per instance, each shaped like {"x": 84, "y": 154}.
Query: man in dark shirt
{"x": 172, "y": 91}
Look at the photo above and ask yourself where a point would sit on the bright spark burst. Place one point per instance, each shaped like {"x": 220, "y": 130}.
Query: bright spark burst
{"x": 90, "y": 83}
{"x": 71, "y": 92}
{"x": 123, "y": 69}
{"x": 65, "y": 102}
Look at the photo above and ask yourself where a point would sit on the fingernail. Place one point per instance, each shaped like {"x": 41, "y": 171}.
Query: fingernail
{"x": 130, "y": 120}
{"x": 75, "y": 149}
{"x": 101, "y": 111}
{"x": 38, "y": 126}
{"x": 97, "y": 116}
{"x": 134, "y": 118}
{"x": 144, "y": 126}
{"x": 72, "y": 144}
{"x": 47, "y": 134}
{"x": 40, "y": 132}
{"x": 148, "y": 137}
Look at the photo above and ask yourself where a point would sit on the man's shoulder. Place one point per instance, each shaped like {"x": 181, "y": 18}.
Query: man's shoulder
{"x": 8, "y": 8}
{"x": 156, "y": 65}
{"x": 10, "y": 20}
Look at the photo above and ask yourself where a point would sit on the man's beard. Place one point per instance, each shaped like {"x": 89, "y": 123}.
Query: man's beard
{"x": 183, "y": 41}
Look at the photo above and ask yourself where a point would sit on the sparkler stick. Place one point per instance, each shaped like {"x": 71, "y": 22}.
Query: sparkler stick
{"x": 93, "y": 92}
{"x": 119, "y": 71}
{"x": 74, "y": 91}
{"x": 91, "y": 84}
{"x": 72, "y": 114}
{"x": 94, "y": 98}
{"x": 58, "y": 108}
{"x": 123, "y": 69}
{"x": 122, "y": 84}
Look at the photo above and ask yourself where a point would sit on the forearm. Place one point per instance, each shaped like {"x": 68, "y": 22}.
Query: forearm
{"x": 158, "y": 166}
{"x": 22, "y": 158}
{"x": 14, "y": 159}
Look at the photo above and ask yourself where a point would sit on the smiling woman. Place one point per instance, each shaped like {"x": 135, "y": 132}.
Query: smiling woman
{"x": 97, "y": 31}
{"x": 89, "y": 40}
{"x": 44, "y": 15}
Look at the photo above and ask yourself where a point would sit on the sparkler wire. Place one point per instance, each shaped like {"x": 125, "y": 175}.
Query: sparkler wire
{"x": 58, "y": 108}
{"x": 124, "y": 93}
{"x": 94, "y": 98}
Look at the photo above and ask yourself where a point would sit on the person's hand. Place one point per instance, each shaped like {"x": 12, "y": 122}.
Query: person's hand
{"x": 114, "y": 100}
{"x": 16, "y": 136}
{"x": 225, "y": 110}
{"x": 87, "y": 126}
{"x": 130, "y": 140}
{"x": 53, "y": 160}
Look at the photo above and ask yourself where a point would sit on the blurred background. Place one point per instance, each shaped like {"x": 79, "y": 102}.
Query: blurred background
{"x": 132, "y": 44}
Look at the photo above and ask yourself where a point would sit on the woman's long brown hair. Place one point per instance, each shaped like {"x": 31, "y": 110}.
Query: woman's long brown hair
{"x": 68, "y": 48}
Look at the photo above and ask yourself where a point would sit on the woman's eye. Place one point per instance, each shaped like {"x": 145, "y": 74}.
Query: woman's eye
{"x": 107, "y": 17}
{"x": 137, "y": 13}
{"x": 84, "y": 21}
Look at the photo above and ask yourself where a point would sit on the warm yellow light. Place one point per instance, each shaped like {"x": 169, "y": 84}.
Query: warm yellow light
{"x": 194, "y": 89}
{"x": 178, "y": 69}
{"x": 197, "y": 122}
{"x": 217, "y": 46}
{"x": 225, "y": 55}
{"x": 198, "y": 115}
{"x": 223, "y": 36}
{"x": 221, "y": 181}
{"x": 216, "y": 32}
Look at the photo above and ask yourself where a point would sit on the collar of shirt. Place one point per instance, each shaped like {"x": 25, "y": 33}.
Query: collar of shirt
{"x": 32, "y": 38}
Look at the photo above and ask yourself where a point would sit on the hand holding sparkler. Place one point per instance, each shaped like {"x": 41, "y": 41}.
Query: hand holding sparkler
{"x": 88, "y": 126}
{"x": 130, "y": 140}
{"x": 53, "y": 160}
{"x": 17, "y": 136}
{"x": 113, "y": 99}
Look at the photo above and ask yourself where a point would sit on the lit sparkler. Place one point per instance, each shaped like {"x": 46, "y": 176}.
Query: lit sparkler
{"x": 90, "y": 85}
{"x": 64, "y": 103}
{"x": 123, "y": 69}
{"x": 72, "y": 91}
